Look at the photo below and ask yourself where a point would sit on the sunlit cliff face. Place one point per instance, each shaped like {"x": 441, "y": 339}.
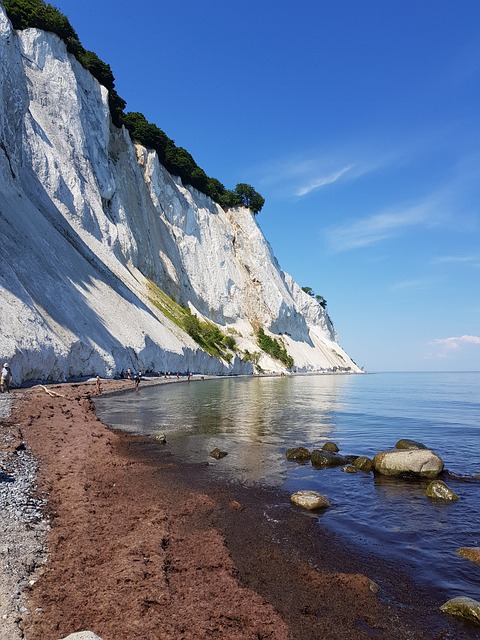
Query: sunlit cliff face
{"x": 89, "y": 221}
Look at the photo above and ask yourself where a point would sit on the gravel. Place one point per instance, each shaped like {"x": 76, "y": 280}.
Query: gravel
{"x": 23, "y": 525}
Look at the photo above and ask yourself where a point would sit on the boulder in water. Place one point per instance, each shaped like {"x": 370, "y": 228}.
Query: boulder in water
{"x": 331, "y": 446}
{"x": 438, "y": 490}
{"x": 349, "y": 468}
{"x": 463, "y": 607}
{"x": 218, "y": 453}
{"x": 362, "y": 463}
{"x": 323, "y": 459}
{"x": 310, "y": 500}
{"x": 405, "y": 443}
{"x": 423, "y": 463}
{"x": 298, "y": 453}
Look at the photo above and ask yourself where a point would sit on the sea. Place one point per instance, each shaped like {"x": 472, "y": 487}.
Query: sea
{"x": 256, "y": 419}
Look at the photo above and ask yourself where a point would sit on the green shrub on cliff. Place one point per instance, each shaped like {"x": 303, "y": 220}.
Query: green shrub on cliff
{"x": 179, "y": 162}
{"x": 36, "y": 13}
{"x": 206, "y": 334}
{"x": 274, "y": 348}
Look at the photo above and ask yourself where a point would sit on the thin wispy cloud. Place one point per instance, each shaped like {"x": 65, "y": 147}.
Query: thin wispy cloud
{"x": 302, "y": 173}
{"x": 451, "y": 344}
{"x": 472, "y": 261}
{"x": 419, "y": 284}
{"x": 441, "y": 208}
{"x": 323, "y": 181}
{"x": 298, "y": 176}
{"x": 375, "y": 228}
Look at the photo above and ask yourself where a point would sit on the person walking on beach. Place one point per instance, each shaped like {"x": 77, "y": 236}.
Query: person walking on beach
{"x": 137, "y": 379}
{"x": 98, "y": 388}
{"x": 6, "y": 378}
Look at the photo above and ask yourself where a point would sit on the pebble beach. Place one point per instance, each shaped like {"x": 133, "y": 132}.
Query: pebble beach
{"x": 110, "y": 533}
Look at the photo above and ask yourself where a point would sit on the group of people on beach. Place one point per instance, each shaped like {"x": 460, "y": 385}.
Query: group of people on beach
{"x": 6, "y": 378}
{"x": 129, "y": 376}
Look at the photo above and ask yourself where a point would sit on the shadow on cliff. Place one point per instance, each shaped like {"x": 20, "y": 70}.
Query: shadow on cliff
{"x": 53, "y": 272}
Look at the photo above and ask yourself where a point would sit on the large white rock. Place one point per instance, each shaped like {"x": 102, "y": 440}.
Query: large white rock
{"x": 89, "y": 220}
{"x": 419, "y": 462}
{"x": 82, "y": 635}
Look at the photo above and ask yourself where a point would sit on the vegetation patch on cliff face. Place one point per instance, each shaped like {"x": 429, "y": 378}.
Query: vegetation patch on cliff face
{"x": 274, "y": 348}
{"x": 167, "y": 305}
{"x": 206, "y": 334}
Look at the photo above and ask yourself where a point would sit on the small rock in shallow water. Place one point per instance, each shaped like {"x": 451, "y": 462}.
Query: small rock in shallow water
{"x": 373, "y": 586}
{"x": 463, "y": 607}
{"x": 298, "y": 453}
{"x": 310, "y": 500}
{"x": 438, "y": 490}
{"x": 349, "y": 468}
{"x": 363, "y": 463}
{"x": 471, "y": 553}
{"x": 330, "y": 446}
{"x": 323, "y": 459}
{"x": 409, "y": 444}
{"x": 218, "y": 453}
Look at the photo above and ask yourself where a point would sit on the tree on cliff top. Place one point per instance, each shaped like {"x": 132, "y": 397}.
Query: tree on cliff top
{"x": 36, "y": 13}
{"x": 249, "y": 197}
{"x": 178, "y": 161}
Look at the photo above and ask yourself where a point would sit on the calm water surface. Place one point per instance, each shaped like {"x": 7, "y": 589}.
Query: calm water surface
{"x": 257, "y": 419}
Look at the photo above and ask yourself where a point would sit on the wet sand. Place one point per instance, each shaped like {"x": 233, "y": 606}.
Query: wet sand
{"x": 143, "y": 545}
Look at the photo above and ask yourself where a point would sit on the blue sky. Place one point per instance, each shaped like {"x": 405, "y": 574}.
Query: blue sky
{"x": 359, "y": 122}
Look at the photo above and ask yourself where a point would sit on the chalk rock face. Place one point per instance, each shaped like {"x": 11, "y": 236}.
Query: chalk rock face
{"x": 92, "y": 224}
{"x": 419, "y": 462}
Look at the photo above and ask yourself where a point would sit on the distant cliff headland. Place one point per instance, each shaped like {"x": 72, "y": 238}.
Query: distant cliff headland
{"x": 117, "y": 249}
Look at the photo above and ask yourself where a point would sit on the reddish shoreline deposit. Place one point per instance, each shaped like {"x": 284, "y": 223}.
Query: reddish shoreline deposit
{"x": 144, "y": 546}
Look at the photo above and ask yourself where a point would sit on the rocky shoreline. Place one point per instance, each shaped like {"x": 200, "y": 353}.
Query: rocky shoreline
{"x": 142, "y": 545}
{"x": 22, "y": 522}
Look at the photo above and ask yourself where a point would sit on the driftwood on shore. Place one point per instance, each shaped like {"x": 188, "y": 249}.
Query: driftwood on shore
{"x": 51, "y": 393}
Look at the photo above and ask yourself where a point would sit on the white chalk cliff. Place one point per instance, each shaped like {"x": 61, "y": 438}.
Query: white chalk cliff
{"x": 89, "y": 220}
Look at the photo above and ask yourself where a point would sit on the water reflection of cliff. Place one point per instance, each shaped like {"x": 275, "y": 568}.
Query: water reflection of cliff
{"x": 254, "y": 419}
